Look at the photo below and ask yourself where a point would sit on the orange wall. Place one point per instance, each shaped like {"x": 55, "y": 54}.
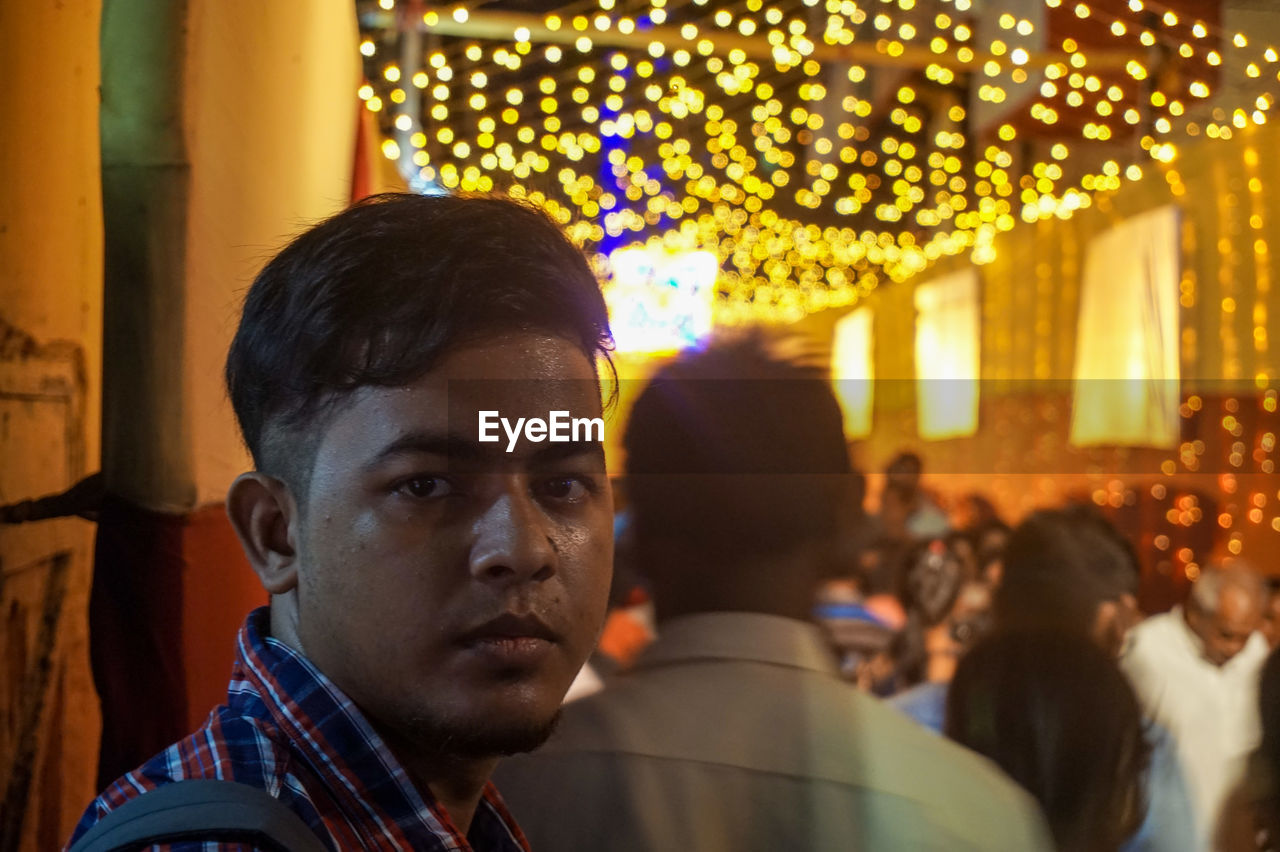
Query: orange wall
{"x": 51, "y": 290}
{"x": 218, "y": 591}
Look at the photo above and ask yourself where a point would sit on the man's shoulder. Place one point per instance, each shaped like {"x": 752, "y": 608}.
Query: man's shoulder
{"x": 866, "y": 755}
{"x": 1153, "y": 645}
{"x": 913, "y": 762}
{"x": 1154, "y": 626}
{"x": 227, "y": 747}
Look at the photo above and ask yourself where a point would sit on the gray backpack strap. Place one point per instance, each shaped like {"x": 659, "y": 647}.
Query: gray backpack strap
{"x": 201, "y": 810}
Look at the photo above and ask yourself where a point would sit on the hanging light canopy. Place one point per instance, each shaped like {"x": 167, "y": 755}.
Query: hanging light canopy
{"x": 816, "y": 148}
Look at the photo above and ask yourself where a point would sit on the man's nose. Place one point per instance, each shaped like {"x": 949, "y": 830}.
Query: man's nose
{"x": 512, "y": 541}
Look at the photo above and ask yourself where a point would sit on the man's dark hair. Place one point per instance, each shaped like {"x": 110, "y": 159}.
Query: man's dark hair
{"x": 1060, "y": 565}
{"x": 732, "y": 451}
{"x": 377, "y": 294}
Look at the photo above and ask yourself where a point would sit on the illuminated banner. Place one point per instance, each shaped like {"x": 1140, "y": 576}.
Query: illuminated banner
{"x": 660, "y": 301}
{"x": 947, "y": 353}
{"x": 853, "y": 370}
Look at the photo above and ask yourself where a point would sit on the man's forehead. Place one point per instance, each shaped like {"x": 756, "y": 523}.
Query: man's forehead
{"x": 514, "y": 356}
{"x": 510, "y": 377}
{"x": 467, "y": 394}
{"x": 1237, "y": 604}
{"x": 456, "y": 407}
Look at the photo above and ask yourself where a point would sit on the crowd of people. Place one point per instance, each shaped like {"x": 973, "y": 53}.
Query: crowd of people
{"x": 812, "y": 676}
{"x": 1026, "y": 645}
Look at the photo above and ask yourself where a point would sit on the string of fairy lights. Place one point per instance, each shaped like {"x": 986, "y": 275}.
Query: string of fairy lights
{"x": 1190, "y": 518}
{"x": 816, "y": 147}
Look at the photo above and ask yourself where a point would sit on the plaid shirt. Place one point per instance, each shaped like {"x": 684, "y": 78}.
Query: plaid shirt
{"x": 287, "y": 729}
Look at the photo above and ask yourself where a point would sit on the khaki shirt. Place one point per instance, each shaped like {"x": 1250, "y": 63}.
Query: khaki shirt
{"x": 735, "y": 732}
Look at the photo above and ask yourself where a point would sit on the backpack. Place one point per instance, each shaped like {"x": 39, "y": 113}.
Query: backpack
{"x": 201, "y": 810}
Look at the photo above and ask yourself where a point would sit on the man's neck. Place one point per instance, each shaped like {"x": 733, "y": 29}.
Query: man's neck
{"x": 460, "y": 795}
{"x": 779, "y": 584}
{"x": 457, "y": 785}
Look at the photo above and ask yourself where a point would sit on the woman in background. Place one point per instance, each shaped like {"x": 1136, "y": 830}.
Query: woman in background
{"x": 1054, "y": 711}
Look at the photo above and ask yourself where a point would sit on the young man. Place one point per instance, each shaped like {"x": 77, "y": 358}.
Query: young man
{"x": 432, "y": 594}
{"x": 734, "y": 731}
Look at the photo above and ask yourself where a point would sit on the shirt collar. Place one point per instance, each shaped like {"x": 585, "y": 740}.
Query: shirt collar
{"x": 1186, "y": 635}
{"x": 335, "y": 738}
{"x": 742, "y": 636}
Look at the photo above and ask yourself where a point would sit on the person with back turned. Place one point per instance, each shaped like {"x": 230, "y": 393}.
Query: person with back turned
{"x": 734, "y": 730}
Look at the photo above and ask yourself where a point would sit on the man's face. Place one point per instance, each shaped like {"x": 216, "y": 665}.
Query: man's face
{"x": 450, "y": 588}
{"x": 1225, "y": 632}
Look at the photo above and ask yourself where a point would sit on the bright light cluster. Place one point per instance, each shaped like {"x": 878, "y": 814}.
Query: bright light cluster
{"x": 816, "y": 148}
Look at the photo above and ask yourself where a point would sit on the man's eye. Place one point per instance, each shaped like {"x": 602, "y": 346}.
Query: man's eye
{"x": 424, "y": 487}
{"x": 567, "y": 488}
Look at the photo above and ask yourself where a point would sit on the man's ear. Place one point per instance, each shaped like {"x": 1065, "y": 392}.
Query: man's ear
{"x": 263, "y": 512}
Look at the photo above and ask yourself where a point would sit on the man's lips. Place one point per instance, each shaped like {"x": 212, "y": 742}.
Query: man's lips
{"x": 510, "y": 626}
{"x": 511, "y": 642}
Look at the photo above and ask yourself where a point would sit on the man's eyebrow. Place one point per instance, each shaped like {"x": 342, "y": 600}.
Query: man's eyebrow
{"x": 560, "y": 450}
{"x": 452, "y": 446}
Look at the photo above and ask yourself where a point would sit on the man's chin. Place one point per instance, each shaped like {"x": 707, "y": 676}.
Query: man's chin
{"x": 480, "y": 739}
{"x": 512, "y": 740}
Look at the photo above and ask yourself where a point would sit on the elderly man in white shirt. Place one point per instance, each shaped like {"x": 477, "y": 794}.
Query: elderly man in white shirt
{"x": 1196, "y": 671}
